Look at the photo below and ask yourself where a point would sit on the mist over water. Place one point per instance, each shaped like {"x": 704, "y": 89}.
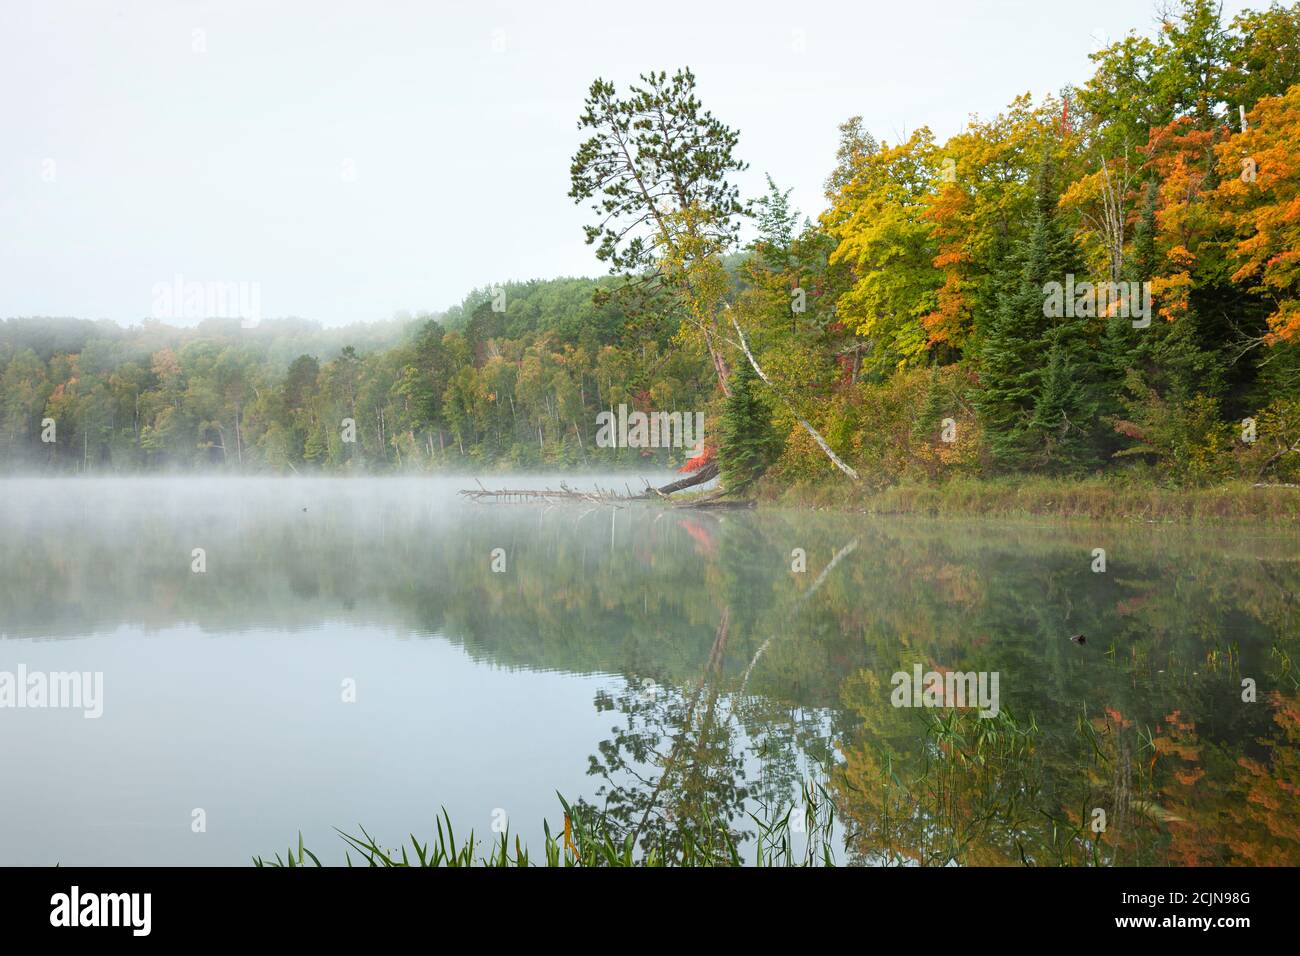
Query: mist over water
{"x": 608, "y": 635}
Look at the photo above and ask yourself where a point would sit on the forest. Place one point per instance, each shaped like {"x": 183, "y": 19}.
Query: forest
{"x": 904, "y": 335}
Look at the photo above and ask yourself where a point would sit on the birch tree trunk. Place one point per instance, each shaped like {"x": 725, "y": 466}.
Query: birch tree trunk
{"x": 821, "y": 442}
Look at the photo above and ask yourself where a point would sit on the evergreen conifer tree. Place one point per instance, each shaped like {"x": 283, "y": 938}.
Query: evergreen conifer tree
{"x": 1017, "y": 348}
{"x": 748, "y": 440}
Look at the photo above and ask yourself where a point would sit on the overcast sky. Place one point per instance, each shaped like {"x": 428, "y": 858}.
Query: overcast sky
{"x": 357, "y": 159}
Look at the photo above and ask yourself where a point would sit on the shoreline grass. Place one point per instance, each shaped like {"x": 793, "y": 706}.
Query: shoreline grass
{"x": 1092, "y": 499}
{"x": 587, "y": 839}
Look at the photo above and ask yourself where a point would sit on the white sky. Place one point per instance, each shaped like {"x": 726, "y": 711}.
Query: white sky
{"x": 126, "y": 157}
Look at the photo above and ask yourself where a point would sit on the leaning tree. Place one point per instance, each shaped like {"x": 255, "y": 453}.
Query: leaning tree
{"x": 656, "y": 171}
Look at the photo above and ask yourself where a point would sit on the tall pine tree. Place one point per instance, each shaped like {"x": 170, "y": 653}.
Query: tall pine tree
{"x": 749, "y": 443}
{"x": 1025, "y": 358}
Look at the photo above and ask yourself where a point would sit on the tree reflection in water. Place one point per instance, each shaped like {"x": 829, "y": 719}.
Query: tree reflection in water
{"x": 768, "y": 682}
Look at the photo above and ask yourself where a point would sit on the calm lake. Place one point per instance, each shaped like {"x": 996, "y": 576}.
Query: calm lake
{"x": 358, "y": 652}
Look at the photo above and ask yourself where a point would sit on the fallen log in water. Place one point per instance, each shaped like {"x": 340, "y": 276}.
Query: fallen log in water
{"x": 707, "y": 473}
{"x": 712, "y": 502}
{"x": 602, "y": 496}
{"x": 548, "y": 495}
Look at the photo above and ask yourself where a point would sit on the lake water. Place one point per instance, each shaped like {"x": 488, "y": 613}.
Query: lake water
{"x": 343, "y": 654}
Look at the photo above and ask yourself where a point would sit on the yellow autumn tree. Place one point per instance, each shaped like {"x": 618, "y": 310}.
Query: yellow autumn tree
{"x": 877, "y": 221}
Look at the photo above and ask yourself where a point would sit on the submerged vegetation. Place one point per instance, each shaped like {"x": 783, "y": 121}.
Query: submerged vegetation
{"x": 1101, "y": 283}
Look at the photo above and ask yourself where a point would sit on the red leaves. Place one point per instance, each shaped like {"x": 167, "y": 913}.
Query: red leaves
{"x": 699, "y": 461}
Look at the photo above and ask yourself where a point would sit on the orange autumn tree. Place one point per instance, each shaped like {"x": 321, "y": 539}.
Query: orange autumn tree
{"x": 978, "y": 210}
{"x": 1259, "y": 199}
{"x": 950, "y": 322}
{"x": 1188, "y": 226}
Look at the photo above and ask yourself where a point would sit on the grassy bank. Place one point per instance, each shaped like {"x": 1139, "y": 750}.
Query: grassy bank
{"x": 1056, "y": 498}
{"x": 588, "y": 839}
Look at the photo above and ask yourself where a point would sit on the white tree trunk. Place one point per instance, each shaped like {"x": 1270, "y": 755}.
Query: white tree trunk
{"x": 744, "y": 347}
